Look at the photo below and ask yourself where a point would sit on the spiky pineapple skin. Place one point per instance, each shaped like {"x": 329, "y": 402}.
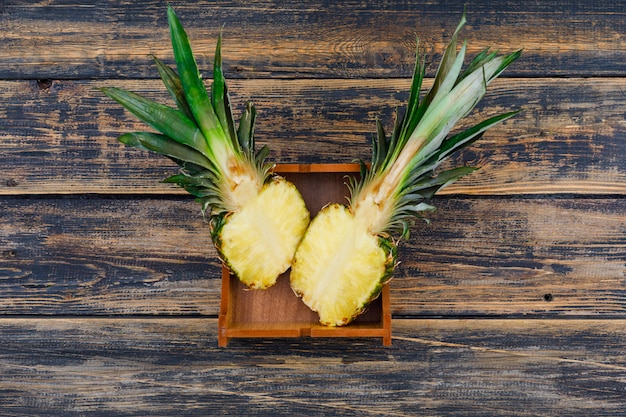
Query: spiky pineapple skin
{"x": 258, "y": 242}
{"x": 339, "y": 267}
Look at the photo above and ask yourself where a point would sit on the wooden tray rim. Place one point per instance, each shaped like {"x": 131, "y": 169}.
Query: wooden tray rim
{"x": 228, "y": 330}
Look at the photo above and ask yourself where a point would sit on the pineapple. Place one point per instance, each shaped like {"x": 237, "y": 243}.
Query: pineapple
{"x": 349, "y": 252}
{"x": 256, "y": 219}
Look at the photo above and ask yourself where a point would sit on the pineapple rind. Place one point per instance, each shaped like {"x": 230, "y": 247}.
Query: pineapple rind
{"x": 339, "y": 267}
{"x": 258, "y": 242}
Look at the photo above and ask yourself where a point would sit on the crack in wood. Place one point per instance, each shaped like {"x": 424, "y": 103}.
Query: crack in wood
{"x": 437, "y": 343}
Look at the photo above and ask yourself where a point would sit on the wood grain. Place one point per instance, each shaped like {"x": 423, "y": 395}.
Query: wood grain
{"x": 86, "y": 253}
{"x": 511, "y": 302}
{"x": 567, "y": 139}
{"x": 479, "y": 256}
{"x": 311, "y": 39}
{"x": 158, "y": 367}
{"x": 519, "y": 256}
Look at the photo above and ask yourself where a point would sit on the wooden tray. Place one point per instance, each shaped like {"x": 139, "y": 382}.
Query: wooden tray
{"x": 276, "y": 311}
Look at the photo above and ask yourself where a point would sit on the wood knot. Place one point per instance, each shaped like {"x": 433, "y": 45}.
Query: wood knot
{"x": 10, "y": 253}
{"x": 44, "y": 83}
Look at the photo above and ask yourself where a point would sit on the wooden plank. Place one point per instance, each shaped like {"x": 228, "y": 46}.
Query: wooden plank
{"x": 120, "y": 256}
{"x": 161, "y": 367}
{"x": 480, "y": 256}
{"x": 516, "y": 257}
{"x": 566, "y": 140}
{"x": 511, "y": 302}
{"x": 313, "y": 39}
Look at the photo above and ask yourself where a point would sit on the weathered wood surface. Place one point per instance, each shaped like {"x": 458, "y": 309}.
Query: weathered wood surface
{"x": 512, "y": 302}
{"x": 481, "y": 256}
{"x": 347, "y": 39}
{"x": 164, "y": 367}
{"x": 568, "y": 138}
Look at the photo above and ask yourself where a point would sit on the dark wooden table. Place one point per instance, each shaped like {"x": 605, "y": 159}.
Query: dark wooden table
{"x": 512, "y": 302}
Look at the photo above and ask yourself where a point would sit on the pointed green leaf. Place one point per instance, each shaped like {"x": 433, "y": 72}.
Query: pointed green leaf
{"x": 175, "y": 88}
{"x": 165, "y": 119}
{"x": 468, "y": 136}
{"x": 166, "y": 146}
{"x": 219, "y": 95}
{"x": 428, "y": 186}
{"x": 193, "y": 86}
{"x": 245, "y": 131}
{"x": 449, "y": 66}
{"x": 412, "y": 116}
{"x": 261, "y": 156}
{"x": 508, "y": 60}
{"x": 379, "y": 146}
{"x": 195, "y": 187}
{"x": 447, "y": 177}
{"x": 479, "y": 60}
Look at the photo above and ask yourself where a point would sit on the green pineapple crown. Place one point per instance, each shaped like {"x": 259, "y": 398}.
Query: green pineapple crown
{"x": 404, "y": 163}
{"x": 200, "y": 134}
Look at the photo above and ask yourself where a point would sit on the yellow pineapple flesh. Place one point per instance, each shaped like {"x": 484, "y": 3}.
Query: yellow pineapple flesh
{"x": 259, "y": 240}
{"x": 346, "y": 261}
{"x": 349, "y": 252}
{"x": 256, "y": 218}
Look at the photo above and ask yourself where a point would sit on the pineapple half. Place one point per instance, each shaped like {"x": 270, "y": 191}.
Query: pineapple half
{"x": 349, "y": 252}
{"x": 256, "y": 219}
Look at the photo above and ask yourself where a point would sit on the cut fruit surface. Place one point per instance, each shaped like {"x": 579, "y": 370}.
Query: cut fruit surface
{"x": 220, "y": 166}
{"x": 259, "y": 241}
{"x": 349, "y": 252}
{"x": 346, "y": 261}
